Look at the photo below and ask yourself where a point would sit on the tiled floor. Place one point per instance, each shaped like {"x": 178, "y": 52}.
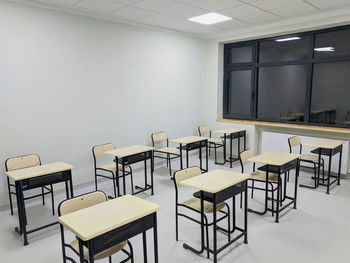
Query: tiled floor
{"x": 318, "y": 231}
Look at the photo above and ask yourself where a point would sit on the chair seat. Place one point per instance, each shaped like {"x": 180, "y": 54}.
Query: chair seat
{"x": 309, "y": 157}
{"x": 111, "y": 167}
{"x": 215, "y": 140}
{"x": 168, "y": 150}
{"x": 106, "y": 253}
{"x": 195, "y": 203}
{"x": 261, "y": 176}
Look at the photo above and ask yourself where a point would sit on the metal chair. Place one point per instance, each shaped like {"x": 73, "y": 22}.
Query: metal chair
{"x": 258, "y": 176}
{"x": 109, "y": 168}
{"x": 307, "y": 158}
{"x": 80, "y": 202}
{"x": 22, "y": 162}
{"x": 213, "y": 142}
{"x": 170, "y": 152}
{"x": 194, "y": 204}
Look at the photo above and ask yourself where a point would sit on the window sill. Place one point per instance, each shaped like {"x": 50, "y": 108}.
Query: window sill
{"x": 287, "y": 125}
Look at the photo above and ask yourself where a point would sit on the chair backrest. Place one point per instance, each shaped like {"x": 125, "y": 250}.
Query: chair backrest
{"x": 80, "y": 202}
{"x": 21, "y": 162}
{"x": 203, "y": 129}
{"x": 159, "y": 137}
{"x": 293, "y": 142}
{"x": 101, "y": 149}
{"x": 244, "y": 156}
{"x": 186, "y": 173}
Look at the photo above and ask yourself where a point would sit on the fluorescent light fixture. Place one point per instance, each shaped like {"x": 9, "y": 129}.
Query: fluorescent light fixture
{"x": 287, "y": 39}
{"x": 210, "y": 18}
{"x": 325, "y": 49}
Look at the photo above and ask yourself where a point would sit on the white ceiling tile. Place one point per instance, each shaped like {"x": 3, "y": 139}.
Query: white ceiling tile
{"x": 214, "y": 5}
{"x": 195, "y": 28}
{"x": 186, "y": 11}
{"x": 161, "y": 20}
{"x": 259, "y": 18}
{"x": 242, "y": 11}
{"x": 231, "y": 24}
{"x": 295, "y": 10}
{"x": 100, "y": 6}
{"x": 270, "y": 4}
{"x": 327, "y": 4}
{"x": 56, "y": 2}
{"x": 132, "y": 13}
{"x": 127, "y": 2}
{"x": 159, "y": 5}
{"x": 188, "y": 1}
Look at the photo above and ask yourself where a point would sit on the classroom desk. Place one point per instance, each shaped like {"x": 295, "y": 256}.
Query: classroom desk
{"x": 278, "y": 163}
{"x": 133, "y": 154}
{"x": 217, "y": 186}
{"x": 190, "y": 143}
{"x": 328, "y": 148}
{"x": 232, "y": 133}
{"x": 37, "y": 177}
{"x": 106, "y": 224}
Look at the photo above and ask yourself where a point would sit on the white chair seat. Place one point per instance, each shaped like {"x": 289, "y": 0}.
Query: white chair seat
{"x": 168, "y": 150}
{"x": 106, "y": 253}
{"x": 195, "y": 203}
{"x": 309, "y": 157}
{"x": 261, "y": 176}
{"x": 111, "y": 167}
{"x": 215, "y": 140}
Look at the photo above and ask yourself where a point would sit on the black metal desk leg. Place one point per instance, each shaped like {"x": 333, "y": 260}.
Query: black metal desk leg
{"x": 231, "y": 150}
{"x": 71, "y": 184}
{"x": 200, "y": 155}
{"x": 155, "y": 237}
{"x": 339, "y": 168}
{"x": 278, "y": 195}
{"x": 123, "y": 172}
{"x": 239, "y": 144}
{"x": 186, "y": 155}
{"x": 19, "y": 229}
{"x": 245, "y": 140}
{"x": 23, "y": 214}
{"x": 296, "y": 183}
{"x": 144, "y": 239}
{"x": 81, "y": 251}
{"x": 245, "y": 214}
{"x": 67, "y": 189}
{"x": 91, "y": 251}
{"x": 329, "y": 172}
{"x": 214, "y": 229}
{"x": 225, "y": 142}
{"x": 117, "y": 175}
{"x": 152, "y": 168}
{"x": 206, "y": 155}
{"x": 181, "y": 164}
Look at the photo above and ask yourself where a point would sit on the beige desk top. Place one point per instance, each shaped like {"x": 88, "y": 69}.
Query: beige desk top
{"x": 215, "y": 180}
{"x": 39, "y": 170}
{"x": 189, "y": 139}
{"x": 229, "y": 130}
{"x": 324, "y": 143}
{"x": 96, "y": 220}
{"x": 274, "y": 158}
{"x": 130, "y": 150}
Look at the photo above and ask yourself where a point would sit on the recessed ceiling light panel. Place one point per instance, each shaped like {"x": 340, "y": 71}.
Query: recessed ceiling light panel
{"x": 325, "y": 49}
{"x": 287, "y": 39}
{"x": 210, "y": 18}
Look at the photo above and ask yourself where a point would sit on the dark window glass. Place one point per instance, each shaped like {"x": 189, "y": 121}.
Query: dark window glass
{"x": 335, "y": 43}
{"x": 239, "y": 93}
{"x": 241, "y": 54}
{"x": 282, "y": 92}
{"x": 273, "y": 51}
{"x": 330, "y": 101}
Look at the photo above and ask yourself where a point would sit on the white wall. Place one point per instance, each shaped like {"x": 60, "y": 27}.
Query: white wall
{"x": 69, "y": 82}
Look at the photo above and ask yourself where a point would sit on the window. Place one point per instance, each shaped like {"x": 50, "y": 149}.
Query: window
{"x": 301, "y": 78}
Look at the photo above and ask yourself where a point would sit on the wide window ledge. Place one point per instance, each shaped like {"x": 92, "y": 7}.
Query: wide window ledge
{"x": 287, "y": 125}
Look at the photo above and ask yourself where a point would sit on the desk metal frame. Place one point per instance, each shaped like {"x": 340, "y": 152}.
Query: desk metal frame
{"x": 231, "y": 137}
{"x": 279, "y": 170}
{"x": 217, "y": 198}
{"x": 36, "y": 182}
{"x": 193, "y": 146}
{"x": 135, "y": 158}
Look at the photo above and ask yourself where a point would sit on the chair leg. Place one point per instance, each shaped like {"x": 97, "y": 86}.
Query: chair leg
{"x": 131, "y": 252}
{"x": 176, "y": 224}
{"x": 241, "y": 200}
{"x": 167, "y": 160}
{"x": 10, "y": 197}
{"x": 252, "y": 193}
{"x": 207, "y": 235}
{"x": 169, "y": 166}
{"x": 273, "y": 200}
{"x": 215, "y": 153}
{"x": 110, "y": 259}
{"x": 52, "y": 200}
{"x": 42, "y": 195}
{"x": 288, "y": 176}
{"x": 209, "y": 148}
{"x": 114, "y": 184}
{"x": 132, "y": 180}
{"x": 96, "y": 181}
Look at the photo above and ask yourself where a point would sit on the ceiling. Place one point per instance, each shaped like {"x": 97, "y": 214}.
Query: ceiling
{"x": 173, "y": 14}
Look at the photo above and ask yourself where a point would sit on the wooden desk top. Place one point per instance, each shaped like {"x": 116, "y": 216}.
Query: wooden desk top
{"x": 130, "y": 150}
{"x": 229, "y": 130}
{"x": 189, "y": 139}
{"x": 274, "y": 158}
{"x": 215, "y": 180}
{"x": 96, "y": 220}
{"x": 324, "y": 143}
{"x": 39, "y": 170}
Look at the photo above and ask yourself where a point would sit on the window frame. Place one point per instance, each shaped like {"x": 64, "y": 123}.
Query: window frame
{"x": 255, "y": 65}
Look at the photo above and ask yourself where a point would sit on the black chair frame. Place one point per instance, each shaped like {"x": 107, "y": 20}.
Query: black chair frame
{"x": 213, "y": 145}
